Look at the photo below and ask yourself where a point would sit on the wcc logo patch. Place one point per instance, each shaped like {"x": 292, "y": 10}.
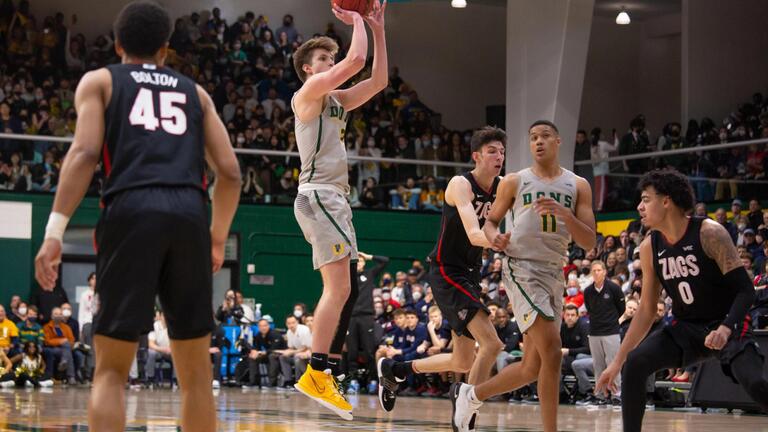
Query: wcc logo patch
{"x": 338, "y": 249}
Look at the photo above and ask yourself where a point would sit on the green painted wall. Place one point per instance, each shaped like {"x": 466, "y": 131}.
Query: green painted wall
{"x": 269, "y": 238}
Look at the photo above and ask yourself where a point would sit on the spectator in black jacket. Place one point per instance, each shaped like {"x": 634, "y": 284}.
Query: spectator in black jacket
{"x": 218, "y": 342}
{"x": 721, "y": 216}
{"x": 573, "y": 333}
{"x": 604, "y": 301}
{"x": 509, "y": 334}
{"x": 261, "y": 351}
{"x": 361, "y": 342}
{"x": 47, "y": 300}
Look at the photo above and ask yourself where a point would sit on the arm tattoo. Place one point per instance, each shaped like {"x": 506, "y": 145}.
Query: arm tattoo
{"x": 718, "y": 245}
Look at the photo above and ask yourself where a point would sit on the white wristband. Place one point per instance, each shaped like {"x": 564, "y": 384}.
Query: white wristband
{"x": 57, "y": 224}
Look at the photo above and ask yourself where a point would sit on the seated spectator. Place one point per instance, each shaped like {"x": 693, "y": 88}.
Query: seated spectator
{"x": 47, "y": 300}
{"x": 438, "y": 330}
{"x": 31, "y": 368}
{"x": 406, "y": 197}
{"x": 509, "y": 333}
{"x": 59, "y": 343}
{"x": 248, "y": 313}
{"x": 299, "y": 350}
{"x": 394, "y": 339}
{"x": 30, "y": 330}
{"x": 574, "y": 295}
{"x": 575, "y": 347}
{"x": 372, "y": 196}
{"x": 13, "y": 305}
{"x": 263, "y": 351}
{"x": 630, "y": 308}
{"x": 432, "y": 198}
{"x": 159, "y": 346}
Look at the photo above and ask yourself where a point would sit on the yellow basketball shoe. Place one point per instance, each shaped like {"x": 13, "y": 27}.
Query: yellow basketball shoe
{"x": 322, "y": 387}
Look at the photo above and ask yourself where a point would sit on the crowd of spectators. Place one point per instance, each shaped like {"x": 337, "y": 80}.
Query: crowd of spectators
{"x": 716, "y": 175}
{"x": 246, "y": 66}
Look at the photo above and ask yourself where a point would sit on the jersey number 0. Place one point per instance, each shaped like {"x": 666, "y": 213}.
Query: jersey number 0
{"x": 172, "y": 118}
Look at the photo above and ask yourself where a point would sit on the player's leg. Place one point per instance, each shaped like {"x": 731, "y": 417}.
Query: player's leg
{"x": 192, "y": 365}
{"x": 106, "y": 408}
{"x": 546, "y": 338}
{"x": 490, "y": 346}
{"x": 391, "y": 372}
{"x": 186, "y": 297}
{"x": 747, "y": 367}
{"x": 658, "y": 351}
{"x": 336, "y": 286}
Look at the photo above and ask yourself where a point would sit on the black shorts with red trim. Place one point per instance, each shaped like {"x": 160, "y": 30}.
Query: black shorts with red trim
{"x": 154, "y": 242}
{"x": 457, "y": 294}
{"x": 690, "y": 337}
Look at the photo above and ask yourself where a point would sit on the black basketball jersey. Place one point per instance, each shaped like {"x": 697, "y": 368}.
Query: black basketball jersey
{"x": 153, "y": 130}
{"x": 691, "y": 278}
{"x": 453, "y": 246}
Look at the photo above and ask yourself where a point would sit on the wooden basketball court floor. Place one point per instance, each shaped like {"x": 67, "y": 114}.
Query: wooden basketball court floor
{"x": 60, "y": 409}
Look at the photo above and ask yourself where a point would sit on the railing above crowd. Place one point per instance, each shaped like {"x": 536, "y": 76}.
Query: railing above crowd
{"x": 269, "y": 176}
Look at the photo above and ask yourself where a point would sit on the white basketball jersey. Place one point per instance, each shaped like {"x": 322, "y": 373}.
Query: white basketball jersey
{"x": 541, "y": 237}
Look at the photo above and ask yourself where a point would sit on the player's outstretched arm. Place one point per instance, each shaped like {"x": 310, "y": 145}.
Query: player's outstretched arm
{"x": 505, "y": 197}
{"x": 365, "y": 90}
{"x": 226, "y": 191}
{"x": 76, "y": 172}
{"x": 459, "y": 194}
{"x": 717, "y": 244}
{"x": 320, "y": 84}
{"x": 641, "y": 322}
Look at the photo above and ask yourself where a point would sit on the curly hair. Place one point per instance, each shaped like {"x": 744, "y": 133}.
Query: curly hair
{"x": 670, "y": 183}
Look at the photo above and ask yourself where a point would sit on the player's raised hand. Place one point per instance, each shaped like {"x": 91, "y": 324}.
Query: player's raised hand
{"x": 606, "y": 384}
{"x": 47, "y": 264}
{"x": 346, "y": 16}
{"x": 501, "y": 241}
{"x": 375, "y": 17}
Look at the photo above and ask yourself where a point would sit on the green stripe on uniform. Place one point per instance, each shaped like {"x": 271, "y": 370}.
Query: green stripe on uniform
{"x": 330, "y": 218}
{"x": 317, "y": 148}
{"x": 522, "y": 291}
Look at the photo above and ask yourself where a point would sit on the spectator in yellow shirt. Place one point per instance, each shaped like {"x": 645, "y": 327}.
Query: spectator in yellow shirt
{"x": 9, "y": 334}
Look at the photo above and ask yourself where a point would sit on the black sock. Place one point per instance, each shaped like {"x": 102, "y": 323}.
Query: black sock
{"x": 402, "y": 369}
{"x": 334, "y": 365}
{"x": 319, "y": 362}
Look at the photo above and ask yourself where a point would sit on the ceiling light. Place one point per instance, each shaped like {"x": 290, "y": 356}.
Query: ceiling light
{"x": 622, "y": 18}
{"x": 459, "y": 3}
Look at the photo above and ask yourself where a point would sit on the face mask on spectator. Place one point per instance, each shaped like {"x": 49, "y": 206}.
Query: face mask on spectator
{"x": 585, "y": 271}
{"x": 298, "y": 313}
{"x": 386, "y": 296}
{"x": 416, "y": 296}
{"x": 378, "y": 311}
{"x": 241, "y": 140}
{"x": 22, "y": 311}
{"x": 572, "y": 276}
{"x": 572, "y": 291}
{"x": 386, "y": 281}
{"x": 742, "y": 226}
{"x": 58, "y": 318}
{"x": 32, "y": 319}
{"x": 66, "y": 313}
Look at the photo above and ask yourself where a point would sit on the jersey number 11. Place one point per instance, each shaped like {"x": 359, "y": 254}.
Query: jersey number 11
{"x": 551, "y": 226}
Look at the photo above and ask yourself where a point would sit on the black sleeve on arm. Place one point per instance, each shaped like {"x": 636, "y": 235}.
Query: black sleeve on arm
{"x": 381, "y": 263}
{"x": 619, "y": 299}
{"x": 738, "y": 279}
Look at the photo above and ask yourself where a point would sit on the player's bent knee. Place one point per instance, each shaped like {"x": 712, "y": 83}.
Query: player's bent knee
{"x": 462, "y": 364}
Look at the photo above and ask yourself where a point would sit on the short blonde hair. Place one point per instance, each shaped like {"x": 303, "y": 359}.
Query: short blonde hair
{"x": 303, "y": 54}
{"x": 434, "y": 308}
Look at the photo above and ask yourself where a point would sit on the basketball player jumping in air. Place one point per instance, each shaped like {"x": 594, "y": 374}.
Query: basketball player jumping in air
{"x": 455, "y": 272}
{"x": 696, "y": 263}
{"x": 321, "y": 207}
{"x": 550, "y": 206}
{"x": 155, "y": 129}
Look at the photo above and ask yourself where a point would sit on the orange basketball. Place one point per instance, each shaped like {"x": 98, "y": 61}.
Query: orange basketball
{"x": 360, "y": 6}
